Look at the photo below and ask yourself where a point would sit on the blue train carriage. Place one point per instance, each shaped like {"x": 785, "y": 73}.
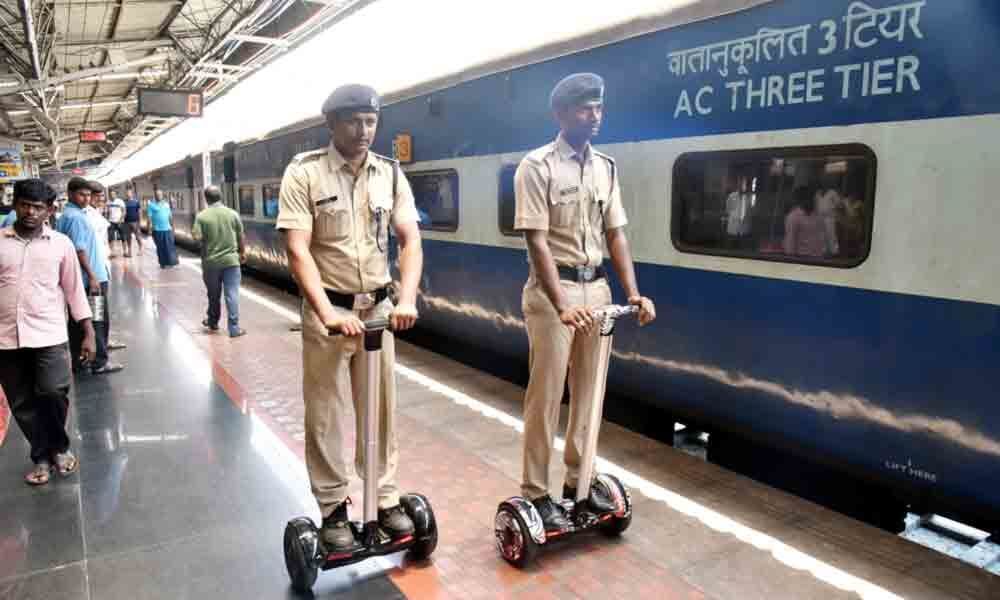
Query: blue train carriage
{"x": 868, "y": 346}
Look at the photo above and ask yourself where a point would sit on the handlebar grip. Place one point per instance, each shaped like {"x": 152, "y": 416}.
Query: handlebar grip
{"x": 616, "y": 311}
{"x": 370, "y": 325}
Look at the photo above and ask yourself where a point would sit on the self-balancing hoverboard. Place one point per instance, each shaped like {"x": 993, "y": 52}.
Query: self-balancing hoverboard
{"x": 518, "y": 526}
{"x": 304, "y": 551}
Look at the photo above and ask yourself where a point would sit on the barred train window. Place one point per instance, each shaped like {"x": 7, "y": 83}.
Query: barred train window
{"x": 270, "y": 193}
{"x": 436, "y": 196}
{"x": 806, "y": 205}
{"x": 246, "y": 200}
{"x": 505, "y": 201}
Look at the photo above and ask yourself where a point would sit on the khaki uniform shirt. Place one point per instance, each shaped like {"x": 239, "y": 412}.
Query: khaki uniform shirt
{"x": 348, "y": 216}
{"x": 556, "y": 191}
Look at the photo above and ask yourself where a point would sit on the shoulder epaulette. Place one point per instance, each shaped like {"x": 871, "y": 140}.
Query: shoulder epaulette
{"x": 310, "y": 155}
{"x": 539, "y": 154}
{"x": 393, "y": 166}
{"x": 614, "y": 170}
{"x": 391, "y": 161}
{"x": 604, "y": 156}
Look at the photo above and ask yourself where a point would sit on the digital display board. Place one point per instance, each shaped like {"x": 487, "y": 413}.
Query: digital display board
{"x": 170, "y": 103}
{"x": 93, "y": 136}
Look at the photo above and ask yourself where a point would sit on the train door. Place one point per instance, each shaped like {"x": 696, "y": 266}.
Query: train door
{"x": 229, "y": 176}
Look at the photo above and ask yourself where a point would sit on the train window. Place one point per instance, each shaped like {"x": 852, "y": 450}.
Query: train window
{"x": 246, "y": 200}
{"x": 505, "y": 201}
{"x": 270, "y": 192}
{"x": 806, "y": 205}
{"x": 436, "y": 195}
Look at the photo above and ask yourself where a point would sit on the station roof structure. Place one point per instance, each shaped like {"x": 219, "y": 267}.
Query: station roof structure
{"x": 68, "y": 66}
{"x": 74, "y": 65}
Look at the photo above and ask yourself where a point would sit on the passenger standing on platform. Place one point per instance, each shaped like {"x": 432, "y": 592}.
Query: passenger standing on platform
{"x": 102, "y": 227}
{"x": 220, "y": 231}
{"x": 132, "y": 211}
{"x": 73, "y": 223}
{"x": 162, "y": 227}
{"x": 97, "y": 220}
{"x": 116, "y": 216}
{"x": 336, "y": 206}
{"x": 34, "y": 367}
{"x": 568, "y": 203}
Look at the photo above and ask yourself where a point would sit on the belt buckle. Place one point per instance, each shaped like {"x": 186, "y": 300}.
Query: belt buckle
{"x": 586, "y": 274}
{"x": 364, "y": 301}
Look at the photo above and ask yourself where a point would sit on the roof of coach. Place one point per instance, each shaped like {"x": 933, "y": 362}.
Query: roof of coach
{"x": 700, "y": 10}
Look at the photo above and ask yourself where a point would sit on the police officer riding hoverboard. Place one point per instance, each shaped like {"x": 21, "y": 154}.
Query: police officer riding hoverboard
{"x": 336, "y": 207}
{"x": 568, "y": 204}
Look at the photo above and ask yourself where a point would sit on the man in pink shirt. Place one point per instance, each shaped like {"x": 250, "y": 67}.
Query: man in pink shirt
{"x": 39, "y": 278}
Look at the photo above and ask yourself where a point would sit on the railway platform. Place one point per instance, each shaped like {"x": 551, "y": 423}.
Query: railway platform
{"x": 191, "y": 464}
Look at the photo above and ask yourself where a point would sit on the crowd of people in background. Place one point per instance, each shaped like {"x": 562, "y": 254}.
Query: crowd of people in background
{"x": 55, "y": 317}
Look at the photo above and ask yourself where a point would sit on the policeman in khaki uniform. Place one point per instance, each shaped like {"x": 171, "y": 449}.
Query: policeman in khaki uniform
{"x": 568, "y": 203}
{"x": 336, "y": 207}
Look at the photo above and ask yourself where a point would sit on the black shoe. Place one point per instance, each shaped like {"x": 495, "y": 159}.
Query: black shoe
{"x": 598, "y": 500}
{"x": 553, "y": 516}
{"x": 336, "y": 532}
{"x": 395, "y": 522}
{"x": 209, "y": 327}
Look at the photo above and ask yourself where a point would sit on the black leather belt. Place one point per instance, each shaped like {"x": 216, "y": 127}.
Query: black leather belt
{"x": 362, "y": 301}
{"x": 581, "y": 274}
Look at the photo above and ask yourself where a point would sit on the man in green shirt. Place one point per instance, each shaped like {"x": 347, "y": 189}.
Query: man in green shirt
{"x": 220, "y": 232}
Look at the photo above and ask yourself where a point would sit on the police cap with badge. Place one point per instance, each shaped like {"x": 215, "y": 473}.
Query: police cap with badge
{"x": 352, "y": 98}
{"x": 576, "y": 89}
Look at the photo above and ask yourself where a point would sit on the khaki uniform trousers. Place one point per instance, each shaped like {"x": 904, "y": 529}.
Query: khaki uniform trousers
{"x": 335, "y": 375}
{"x": 554, "y": 350}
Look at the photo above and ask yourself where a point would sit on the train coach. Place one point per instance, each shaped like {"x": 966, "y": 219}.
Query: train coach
{"x": 874, "y": 359}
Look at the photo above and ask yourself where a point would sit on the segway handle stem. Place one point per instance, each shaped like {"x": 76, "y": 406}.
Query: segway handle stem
{"x": 614, "y": 311}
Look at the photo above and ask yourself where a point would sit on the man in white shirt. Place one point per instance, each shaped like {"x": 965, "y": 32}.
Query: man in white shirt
{"x": 100, "y": 225}
{"x": 738, "y": 210}
{"x": 116, "y": 216}
{"x": 826, "y": 207}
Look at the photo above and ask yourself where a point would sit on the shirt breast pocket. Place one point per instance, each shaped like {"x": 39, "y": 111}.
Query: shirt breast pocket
{"x": 333, "y": 219}
{"x": 45, "y": 271}
{"x": 565, "y": 208}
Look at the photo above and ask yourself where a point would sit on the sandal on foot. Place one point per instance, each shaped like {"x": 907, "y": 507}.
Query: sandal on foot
{"x": 39, "y": 475}
{"x": 66, "y": 463}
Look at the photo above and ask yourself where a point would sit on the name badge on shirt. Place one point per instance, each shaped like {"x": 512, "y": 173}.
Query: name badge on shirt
{"x": 326, "y": 201}
{"x": 569, "y": 190}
